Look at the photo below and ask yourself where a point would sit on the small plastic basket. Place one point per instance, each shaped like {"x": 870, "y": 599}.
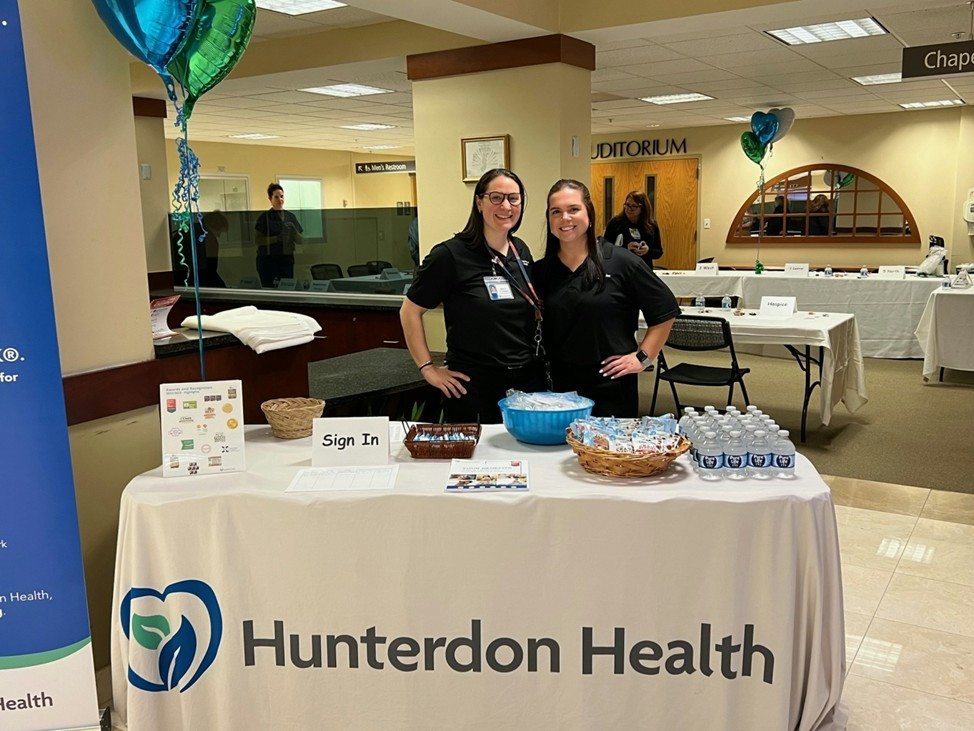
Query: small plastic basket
{"x": 291, "y": 418}
{"x": 444, "y": 449}
{"x": 542, "y": 427}
{"x": 619, "y": 464}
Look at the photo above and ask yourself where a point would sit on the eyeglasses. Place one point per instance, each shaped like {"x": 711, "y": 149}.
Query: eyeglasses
{"x": 497, "y": 198}
{"x": 632, "y": 206}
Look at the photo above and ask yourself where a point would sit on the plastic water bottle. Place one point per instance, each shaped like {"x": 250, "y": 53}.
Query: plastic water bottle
{"x": 735, "y": 457}
{"x": 759, "y": 456}
{"x": 684, "y": 424}
{"x": 864, "y": 272}
{"x": 783, "y": 454}
{"x": 828, "y": 271}
{"x": 700, "y": 301}
{"x": 946, "y": 284}
{"x": 725, "y": 302}
{"x": 711, "y": 457}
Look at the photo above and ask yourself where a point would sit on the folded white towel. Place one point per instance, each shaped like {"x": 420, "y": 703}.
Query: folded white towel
{"x": 262, "y": 330}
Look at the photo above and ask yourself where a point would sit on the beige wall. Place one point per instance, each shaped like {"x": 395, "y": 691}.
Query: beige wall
{"x": 264, "y": 164}
{"x": 917, "y": 153}
{"x": 154, "y": 193}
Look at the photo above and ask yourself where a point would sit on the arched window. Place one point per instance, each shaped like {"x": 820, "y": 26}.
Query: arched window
{"x": 824, "y": 204}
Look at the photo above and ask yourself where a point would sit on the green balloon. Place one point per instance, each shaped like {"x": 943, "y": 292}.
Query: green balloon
{"x": 844, "y": 180}
{"x": 215, "y": 44}
{"x": 752, "y": 147}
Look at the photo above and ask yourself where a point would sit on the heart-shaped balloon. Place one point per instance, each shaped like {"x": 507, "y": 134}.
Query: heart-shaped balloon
{"x": 764, "y": 126}
{"x": 786, "y": 118}
{"x": 151, "y": 30}
{"x": 838, "y": 178}
{"x": 753, "y": 147}
{"x": 214, "y": 46}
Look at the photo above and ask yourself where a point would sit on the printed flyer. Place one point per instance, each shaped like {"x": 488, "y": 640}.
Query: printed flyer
{"x": 202, "y": 428}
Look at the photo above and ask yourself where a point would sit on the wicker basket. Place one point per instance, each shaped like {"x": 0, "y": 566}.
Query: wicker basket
{"x": 290, "y": 418}
{"x": 618, "y": 464}
{"x": 442, "y": 450}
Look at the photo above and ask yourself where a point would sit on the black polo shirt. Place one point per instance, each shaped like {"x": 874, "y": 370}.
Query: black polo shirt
{"x": 479, "y": 331}
{"x": 582, "y": 326}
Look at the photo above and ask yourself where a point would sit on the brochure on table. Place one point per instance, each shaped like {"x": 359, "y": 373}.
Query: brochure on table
{"x": 487, "y": 475}
{"x": 202, "y": 428}
{"x": 159, "y": 315}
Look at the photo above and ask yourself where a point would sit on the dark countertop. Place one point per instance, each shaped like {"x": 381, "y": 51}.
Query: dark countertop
{"x": 187, "y": 341}
{"x": 265, "y": 297}
{"x": 366, "y": 374}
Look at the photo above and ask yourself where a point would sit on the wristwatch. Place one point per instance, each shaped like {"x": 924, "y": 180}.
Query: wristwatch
{"x": 644, "y": 360}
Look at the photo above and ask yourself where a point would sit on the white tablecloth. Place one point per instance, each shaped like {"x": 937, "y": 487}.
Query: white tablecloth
{"x": 843, "y": 372}
{"x": 945, "y": 333}
{"x": 653, "y": 566}
{"x": 887, "y": 310}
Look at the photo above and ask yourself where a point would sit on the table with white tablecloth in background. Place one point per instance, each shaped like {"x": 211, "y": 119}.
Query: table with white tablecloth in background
{"x": 945, "y": 333}
{"x": 887, "y": 310}
{"x": 587, "y": 602}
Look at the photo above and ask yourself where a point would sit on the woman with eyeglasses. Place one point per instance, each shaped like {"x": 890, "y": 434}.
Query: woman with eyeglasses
{"x": 482, "y": 278}
{"x": 636, "y": 228}
{"x": 593, "y": 293}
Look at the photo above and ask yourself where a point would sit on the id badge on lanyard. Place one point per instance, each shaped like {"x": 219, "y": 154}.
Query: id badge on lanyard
{"x": 498, "y": 288}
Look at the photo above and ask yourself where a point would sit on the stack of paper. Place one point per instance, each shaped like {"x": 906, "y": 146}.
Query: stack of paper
{"x": 262, "y": 330}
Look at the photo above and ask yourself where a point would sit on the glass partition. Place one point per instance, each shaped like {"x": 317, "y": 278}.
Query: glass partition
{"x": 363, "y": 250}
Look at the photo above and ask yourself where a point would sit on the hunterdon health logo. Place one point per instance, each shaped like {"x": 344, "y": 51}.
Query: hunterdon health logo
{"x": 174, "y": 634}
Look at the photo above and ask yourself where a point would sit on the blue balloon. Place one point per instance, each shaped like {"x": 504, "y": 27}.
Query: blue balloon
{"x": 764, "y": 126}
{"x": 151, "y": 30}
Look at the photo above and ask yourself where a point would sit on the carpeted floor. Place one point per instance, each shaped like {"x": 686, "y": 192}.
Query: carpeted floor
{"x": 909, "y": 433}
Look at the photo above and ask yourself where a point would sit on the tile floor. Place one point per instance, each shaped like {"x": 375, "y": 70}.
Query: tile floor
{"x": 908, "y": 575}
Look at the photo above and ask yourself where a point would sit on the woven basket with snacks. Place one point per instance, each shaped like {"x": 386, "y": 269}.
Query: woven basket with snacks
{"x": 290, "y": 418}
{"x": 442, "y": 441}
{"x": 624, "y": 464}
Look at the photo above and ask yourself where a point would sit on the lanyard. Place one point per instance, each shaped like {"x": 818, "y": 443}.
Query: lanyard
{"x": 532, "y": 299}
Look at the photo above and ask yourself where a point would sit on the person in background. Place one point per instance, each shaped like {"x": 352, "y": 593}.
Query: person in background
{"x": 636, "y": 228}
{"x": 278, "y": 232}
{"x": 593, "y": 293}
{"x": 482, "y": 278}
{"x": 412, "y": 239}
{"x": 818, "y": 216}
{"x": 775, "y": 225}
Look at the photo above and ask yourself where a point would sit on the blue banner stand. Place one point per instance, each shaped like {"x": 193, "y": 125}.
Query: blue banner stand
{"x": 47, "y": 678}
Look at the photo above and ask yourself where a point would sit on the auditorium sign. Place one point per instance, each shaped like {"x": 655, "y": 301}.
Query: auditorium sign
{"x": 639, "y": 148}
{"x": 398, "y": 166}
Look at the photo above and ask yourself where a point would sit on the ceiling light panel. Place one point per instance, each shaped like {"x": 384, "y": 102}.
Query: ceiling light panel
{"x": 346, "y": 90}
{"x": 821, "y": 32}
{"x": 874, "y": 79}
{"x": 298, "y": 7}
{"x": 928, "y": 105}
{"x": 675, "y": 98}
{"x": 368, "y": 126}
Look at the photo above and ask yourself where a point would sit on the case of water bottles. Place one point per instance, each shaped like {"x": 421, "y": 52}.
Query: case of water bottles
{"x": 737, "y": 445}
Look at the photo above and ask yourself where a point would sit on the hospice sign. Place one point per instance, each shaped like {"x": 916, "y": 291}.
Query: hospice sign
{"x": 46, "y": 670}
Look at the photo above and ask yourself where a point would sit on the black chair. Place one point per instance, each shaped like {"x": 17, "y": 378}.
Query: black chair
{"x": 359, "y": 270}
{"x": 377, "y": 266}
{"x": 326, "y": 271}
{"x": 697, "y": 333}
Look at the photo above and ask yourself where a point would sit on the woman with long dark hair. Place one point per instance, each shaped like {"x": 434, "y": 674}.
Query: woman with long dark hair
{"x": 635, "y": 228}
{"x": 482, "y": 278}
{"x": 593, "y": 293}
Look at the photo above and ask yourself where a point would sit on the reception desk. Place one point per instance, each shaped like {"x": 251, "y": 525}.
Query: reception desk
{"x": 887, "y": 310}
{"x": 584, "y": 603}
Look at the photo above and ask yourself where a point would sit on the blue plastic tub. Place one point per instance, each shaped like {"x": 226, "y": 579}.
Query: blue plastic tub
{"x": 542, "y": 427}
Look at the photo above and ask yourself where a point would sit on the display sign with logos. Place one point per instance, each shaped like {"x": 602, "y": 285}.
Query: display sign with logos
{"x": 202, "y": 428}
{"x": 395, "y": 166}
{"x": 939, "y": 59}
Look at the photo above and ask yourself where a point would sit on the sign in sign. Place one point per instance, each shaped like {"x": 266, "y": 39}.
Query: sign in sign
{"x": 939, "y": 59}
{"x": 395, "y": 166}
{"x": 46, "y": 671}
{"x": 640, "y": 148}
{"x": 350, "y": 441}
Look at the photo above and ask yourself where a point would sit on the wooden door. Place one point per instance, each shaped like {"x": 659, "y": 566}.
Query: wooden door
{"x": 671, "y": 185}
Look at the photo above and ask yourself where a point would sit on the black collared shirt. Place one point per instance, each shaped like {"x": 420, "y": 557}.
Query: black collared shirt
{"x": 583, "y": 326}
{"x": 479, "y": 331}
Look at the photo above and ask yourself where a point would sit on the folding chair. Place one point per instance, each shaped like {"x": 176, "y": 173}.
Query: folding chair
{"x": 698, "y": 333}
{"x": 326, "y": 271}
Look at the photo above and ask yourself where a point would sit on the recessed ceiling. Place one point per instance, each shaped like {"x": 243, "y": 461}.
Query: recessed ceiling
{"x": 739, "y": 65}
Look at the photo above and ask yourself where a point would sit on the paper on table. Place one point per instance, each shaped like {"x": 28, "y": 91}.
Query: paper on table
{"x": 487, "y": 475}
{"x": 159, "y": 315}
{"x": 330, "y": 479}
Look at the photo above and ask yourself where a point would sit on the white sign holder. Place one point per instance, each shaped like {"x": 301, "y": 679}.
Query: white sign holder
{"x": 778, "y": 307}
{"x": 795, "y": 269}
{"x": 708, "y": 268}
{"x": 891, "y": 272}
{"x": 342, "y": 442}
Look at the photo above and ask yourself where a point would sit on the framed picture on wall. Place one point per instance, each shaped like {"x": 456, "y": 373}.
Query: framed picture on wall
{"x": 481, "y": 154}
